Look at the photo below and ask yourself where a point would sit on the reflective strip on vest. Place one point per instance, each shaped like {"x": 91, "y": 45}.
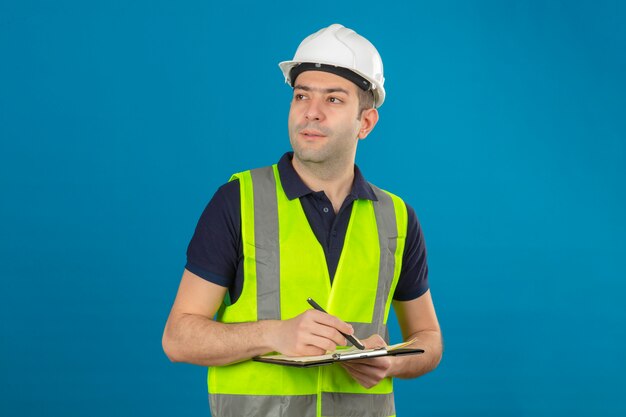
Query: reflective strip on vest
{"x": 387, "y": 237}
{"x": 266, "y": 238}
{"x": 283, "y": 265}
{"x": 333, "y": 404}
{"x": 224, "y": 405}
{"x": 371, "y": 405}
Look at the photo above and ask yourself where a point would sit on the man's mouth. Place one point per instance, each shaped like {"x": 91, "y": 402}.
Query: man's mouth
{"x": 312, "y": 133}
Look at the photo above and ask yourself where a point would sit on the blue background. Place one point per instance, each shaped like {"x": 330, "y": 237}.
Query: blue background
{"x": 504, "y": 128}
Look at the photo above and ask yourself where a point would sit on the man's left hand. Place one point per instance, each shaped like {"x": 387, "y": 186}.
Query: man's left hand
{"x": 369, "y": 372}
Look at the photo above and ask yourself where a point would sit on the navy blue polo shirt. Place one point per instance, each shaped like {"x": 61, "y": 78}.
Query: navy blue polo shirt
{"x": 215, "y": 252}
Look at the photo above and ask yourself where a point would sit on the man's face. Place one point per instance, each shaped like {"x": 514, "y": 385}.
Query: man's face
{"x": 323, "y": 124}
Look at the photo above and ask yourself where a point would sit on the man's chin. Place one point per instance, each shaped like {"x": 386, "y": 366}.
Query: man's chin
{"x": 310, "y": 156}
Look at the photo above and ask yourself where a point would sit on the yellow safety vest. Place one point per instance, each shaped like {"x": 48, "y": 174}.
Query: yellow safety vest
{"x": 284, "y": 264}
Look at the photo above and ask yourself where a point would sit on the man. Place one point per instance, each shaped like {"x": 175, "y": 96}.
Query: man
{"x": 309, "y": 226}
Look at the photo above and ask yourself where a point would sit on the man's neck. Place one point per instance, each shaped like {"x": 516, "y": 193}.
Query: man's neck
{"x": 336, "y": 182}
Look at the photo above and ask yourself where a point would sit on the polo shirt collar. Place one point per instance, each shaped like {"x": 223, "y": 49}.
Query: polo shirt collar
{"x": 295, "y": 188}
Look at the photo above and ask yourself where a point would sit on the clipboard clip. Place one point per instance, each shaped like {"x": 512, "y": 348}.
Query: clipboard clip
{"x": 360, "y": 354}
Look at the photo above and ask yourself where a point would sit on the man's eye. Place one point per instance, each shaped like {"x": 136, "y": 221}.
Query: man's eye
{"x": 299, "y": 97}
{"x": 334, "y": 100}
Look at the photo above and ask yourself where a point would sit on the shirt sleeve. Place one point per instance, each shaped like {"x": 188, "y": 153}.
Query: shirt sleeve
{"x": 213, "y": 252}
{"x": 413, "y": 281}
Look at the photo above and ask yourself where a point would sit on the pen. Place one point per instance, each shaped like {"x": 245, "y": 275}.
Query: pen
{"x": 356, "y": 342}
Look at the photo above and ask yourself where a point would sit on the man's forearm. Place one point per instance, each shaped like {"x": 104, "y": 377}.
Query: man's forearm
{"x": 199, "y": 340}
{"x": 412, "y": 366}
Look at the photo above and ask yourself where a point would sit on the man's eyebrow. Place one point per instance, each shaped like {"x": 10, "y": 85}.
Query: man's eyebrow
{"x": 323, "y": 90}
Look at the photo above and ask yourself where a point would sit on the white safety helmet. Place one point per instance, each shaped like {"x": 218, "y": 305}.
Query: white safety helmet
{"x": 337, "y": 49}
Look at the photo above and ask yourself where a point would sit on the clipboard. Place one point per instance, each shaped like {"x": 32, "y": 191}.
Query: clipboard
{"x": 341, "y": 355}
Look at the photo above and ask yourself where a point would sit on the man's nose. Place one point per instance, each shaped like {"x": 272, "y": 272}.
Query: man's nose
{"x": 314, "y": 110}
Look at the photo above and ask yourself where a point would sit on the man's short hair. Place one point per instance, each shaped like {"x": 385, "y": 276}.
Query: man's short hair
{"x": 366, "y": 101}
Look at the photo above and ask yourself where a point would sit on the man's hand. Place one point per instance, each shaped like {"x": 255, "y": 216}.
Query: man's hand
{"x": 369, "y": 372}
{"x": 310, "y": 333}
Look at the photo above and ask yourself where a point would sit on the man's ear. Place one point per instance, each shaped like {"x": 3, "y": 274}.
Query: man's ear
{"x": 369, "y": 118}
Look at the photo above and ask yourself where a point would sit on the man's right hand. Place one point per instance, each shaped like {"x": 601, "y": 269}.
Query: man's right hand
{"x": 191, "y": 335}
{"x": 310, "y": 333}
